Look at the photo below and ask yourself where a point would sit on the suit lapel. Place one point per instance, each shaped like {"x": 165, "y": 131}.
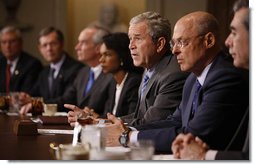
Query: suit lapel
{"x": 18, "y": 70}
{"x": 160, "y": 66}
{"x": 124, "y": 91}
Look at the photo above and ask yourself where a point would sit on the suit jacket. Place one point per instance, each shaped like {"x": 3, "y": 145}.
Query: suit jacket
{"x": 64, "y": 79}
{"x": 240, "y": 154}
{"x": 95, "y": 98}
{"x": 128, "y": 97}
{"x": 221, "y": 104}
{"x": 162, "y": 95}
{"x": 25, "y": 74}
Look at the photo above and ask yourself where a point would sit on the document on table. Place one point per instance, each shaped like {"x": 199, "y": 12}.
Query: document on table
{"x": 55, "y": 131}
{"x": 164, "y": 157}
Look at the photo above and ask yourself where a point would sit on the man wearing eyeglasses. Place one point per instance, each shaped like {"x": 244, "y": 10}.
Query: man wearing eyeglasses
{"x": 215, "y": 95}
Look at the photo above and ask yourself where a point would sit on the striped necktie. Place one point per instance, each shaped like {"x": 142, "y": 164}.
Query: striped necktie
{"x": 145, "y": 82}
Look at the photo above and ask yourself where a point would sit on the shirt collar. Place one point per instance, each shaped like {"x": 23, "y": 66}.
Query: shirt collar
{"x": 13, "y": 64}
{"x": 97, "y": 71}
{"x": 57, "y": 66}
{"x": 202, "y": 77}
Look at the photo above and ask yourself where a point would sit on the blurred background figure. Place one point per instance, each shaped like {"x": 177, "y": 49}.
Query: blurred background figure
{"x": 62, "y": 70}
{"x": 18, "y": 69}
{"x": 109, "y": 18}
{"x": 91, "y": 85}
{"x": 54, "y": 80}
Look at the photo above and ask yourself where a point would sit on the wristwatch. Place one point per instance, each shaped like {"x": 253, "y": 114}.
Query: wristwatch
{"x": 124, "y": 138}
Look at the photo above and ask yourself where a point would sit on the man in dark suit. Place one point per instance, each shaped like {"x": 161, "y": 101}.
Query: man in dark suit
{"x": 88, "y": 51}
{"x": 187, "y": 146}
{"x": 215, "y": 95}
{"x": 18, "y": 69}
{"x": 163, "y": 90}
{"x": 52, "y": 85}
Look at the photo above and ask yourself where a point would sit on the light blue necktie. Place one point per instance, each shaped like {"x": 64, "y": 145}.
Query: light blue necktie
{"x": 89, "y": 83}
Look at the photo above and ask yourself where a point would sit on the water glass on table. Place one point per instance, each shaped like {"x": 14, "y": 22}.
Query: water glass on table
{"x": 141, "y": 150}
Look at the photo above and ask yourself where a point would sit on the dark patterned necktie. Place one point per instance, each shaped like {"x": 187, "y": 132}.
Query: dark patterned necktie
{"x": 89, "y": 83}
{"x": 51, "y": 80}
{"x": 195, "y": 98}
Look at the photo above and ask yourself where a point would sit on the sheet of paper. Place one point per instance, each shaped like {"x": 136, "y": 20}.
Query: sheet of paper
{"x": 117, "y": 149}
{"x": 54, "y": 131}
{"x": 164, "y": 157}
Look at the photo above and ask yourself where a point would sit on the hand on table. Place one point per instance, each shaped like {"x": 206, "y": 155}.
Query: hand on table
{"x": 186, "y": 146}
{"x": 114, "y": 130}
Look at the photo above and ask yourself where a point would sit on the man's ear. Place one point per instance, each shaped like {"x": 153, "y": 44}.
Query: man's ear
{"x": 97, "y": 48}
{"x": 160, "y": 44}
{"x": 209, "y": 40}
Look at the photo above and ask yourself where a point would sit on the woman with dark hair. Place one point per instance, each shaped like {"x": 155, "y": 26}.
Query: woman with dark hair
{"x": 116, "y": 59}
{"x": 123, "y": 95}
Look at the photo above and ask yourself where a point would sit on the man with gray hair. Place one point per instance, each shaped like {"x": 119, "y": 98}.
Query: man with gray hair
{"x": 161, "y": 89}
{"x": 18, "y": 69}
{"x": 91, "y": 86}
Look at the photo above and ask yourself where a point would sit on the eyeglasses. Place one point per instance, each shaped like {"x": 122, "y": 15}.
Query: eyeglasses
{"x": 182, "y": 42}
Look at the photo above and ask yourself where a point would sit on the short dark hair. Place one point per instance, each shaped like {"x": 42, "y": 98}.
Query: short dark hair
{"x": 239, "y": 4}
{"x": 119, "y": 42}
{"x": 51, "y": 29}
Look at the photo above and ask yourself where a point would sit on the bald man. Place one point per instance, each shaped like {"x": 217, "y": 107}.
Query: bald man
{"x": 187, "y": 146}
{"x": 214, "y": 95}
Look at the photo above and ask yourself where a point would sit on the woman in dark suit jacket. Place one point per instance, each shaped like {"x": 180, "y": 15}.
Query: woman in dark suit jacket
{"x": 116, "y": 59}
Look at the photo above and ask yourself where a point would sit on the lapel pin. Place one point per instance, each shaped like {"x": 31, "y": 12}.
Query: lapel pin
{"x": 16, "y": 72}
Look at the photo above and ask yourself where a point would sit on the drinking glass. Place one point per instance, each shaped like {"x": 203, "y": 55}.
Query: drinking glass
{"x": 141, "y": 150}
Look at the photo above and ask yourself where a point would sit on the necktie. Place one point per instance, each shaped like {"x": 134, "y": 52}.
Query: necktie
{"x": 51, "y": 80}
{"x": 195, "y": 98}
{"x": 145, "y": 82}
{"x": 8, "y": 77}
{"x": 89, "y": 83}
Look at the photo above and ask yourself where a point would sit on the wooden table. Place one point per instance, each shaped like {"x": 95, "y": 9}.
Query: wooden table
{"x": 35, "y": 147}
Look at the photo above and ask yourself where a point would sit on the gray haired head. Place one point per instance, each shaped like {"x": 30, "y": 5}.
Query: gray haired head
{"x": 12, "y": 29}
{"x": 157, "y": 25}
{"x": 98, "y": 36}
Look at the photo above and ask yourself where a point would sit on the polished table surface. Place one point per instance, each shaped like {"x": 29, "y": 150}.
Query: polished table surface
{"x": 30, "y": 147}
{"x": 36, "y": 147}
